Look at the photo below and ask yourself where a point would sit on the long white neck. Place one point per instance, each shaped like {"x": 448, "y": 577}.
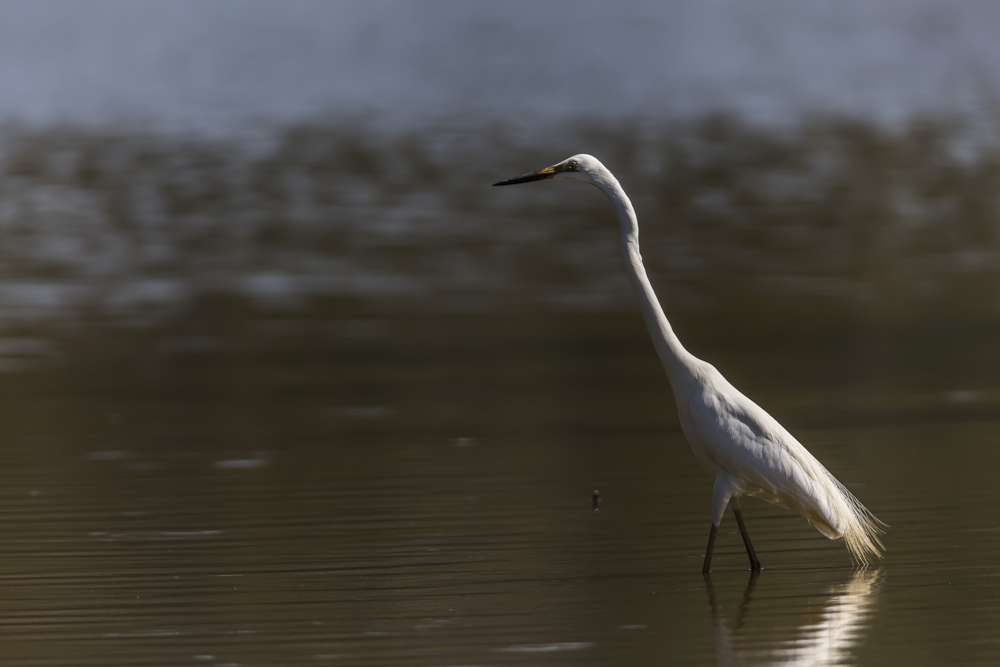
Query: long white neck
{"x": 680, "y": 364}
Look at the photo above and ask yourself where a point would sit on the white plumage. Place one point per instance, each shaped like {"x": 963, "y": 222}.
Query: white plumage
{"x": 744, "y": 448}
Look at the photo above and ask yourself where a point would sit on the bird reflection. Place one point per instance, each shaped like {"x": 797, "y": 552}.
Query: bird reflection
{"x": 823, "y": 636}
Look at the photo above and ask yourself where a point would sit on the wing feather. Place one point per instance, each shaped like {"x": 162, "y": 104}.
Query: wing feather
{"x": 747, "y": 442}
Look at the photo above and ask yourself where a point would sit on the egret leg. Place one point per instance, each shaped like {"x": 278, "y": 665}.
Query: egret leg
{"x": 754, "y": 563}
{"x": 707, "y": 567}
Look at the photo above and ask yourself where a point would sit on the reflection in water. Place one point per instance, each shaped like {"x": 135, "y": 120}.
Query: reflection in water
{"x": 411, "y": 499}
{"x": 826, "y": 641}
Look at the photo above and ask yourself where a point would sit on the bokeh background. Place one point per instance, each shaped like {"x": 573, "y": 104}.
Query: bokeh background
{"x": 813, "y": 156}
{"x": 262, "y": 316}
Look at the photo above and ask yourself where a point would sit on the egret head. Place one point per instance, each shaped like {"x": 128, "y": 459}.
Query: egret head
{"x": 582, "y": 167}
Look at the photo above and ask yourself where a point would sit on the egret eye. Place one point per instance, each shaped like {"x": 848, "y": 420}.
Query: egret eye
{"x": 572, "y": 165}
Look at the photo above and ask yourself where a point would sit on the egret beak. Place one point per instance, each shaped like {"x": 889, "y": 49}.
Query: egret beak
{"x": 541, "y": 175}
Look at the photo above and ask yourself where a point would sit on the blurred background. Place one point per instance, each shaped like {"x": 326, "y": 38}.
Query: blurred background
{"x": 181, "y": 173}
{"x": 250, "y": 261}
{"x": 829, "y": 156}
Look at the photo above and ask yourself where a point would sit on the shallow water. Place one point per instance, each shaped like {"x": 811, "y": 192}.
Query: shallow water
{"x": 388, "y": 490}
{"x": 336, "y": 401}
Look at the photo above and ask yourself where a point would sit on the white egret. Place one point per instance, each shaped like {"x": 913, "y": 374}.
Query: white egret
{"x": 744, "y": 448}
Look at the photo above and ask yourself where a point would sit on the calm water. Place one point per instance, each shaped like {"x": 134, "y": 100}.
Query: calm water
{"x": 295, "y": 392}
{"x": 325, "y": 397}
{"x": 417, "y": 491}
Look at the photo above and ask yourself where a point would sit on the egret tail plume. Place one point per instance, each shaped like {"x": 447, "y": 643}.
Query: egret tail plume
{"x": 862, "y": 529}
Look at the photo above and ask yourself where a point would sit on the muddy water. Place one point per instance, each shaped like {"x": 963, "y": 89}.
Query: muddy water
{"x": 418, "y": 491}
{"x": 328, "y": 398}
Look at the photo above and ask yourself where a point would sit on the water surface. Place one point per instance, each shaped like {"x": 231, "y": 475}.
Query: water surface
{"x": 328, "y": 398}
{"x": 422, "y": 495}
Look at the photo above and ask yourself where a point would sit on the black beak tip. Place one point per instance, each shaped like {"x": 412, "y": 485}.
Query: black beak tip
{"x": 526, "y": 178}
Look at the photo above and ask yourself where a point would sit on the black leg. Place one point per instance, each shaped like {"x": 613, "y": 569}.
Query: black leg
{"x": 708, "y": 552}
{"x": 754, "y": 563}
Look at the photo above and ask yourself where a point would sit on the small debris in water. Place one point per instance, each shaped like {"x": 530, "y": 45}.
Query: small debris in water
{"x": 595, "y": 500}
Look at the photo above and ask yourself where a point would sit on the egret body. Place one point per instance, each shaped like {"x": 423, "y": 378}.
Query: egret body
{"x": 737, "y": 442}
